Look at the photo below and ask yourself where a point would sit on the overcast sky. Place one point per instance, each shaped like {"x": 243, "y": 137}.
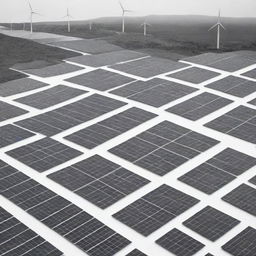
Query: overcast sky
{"x": 18, "y": 10}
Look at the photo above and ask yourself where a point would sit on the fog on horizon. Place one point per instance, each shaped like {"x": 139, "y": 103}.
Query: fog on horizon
{"x": 54, "y": 10}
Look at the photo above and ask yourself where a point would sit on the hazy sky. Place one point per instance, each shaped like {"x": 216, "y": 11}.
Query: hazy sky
{"x": 18, "y": 10}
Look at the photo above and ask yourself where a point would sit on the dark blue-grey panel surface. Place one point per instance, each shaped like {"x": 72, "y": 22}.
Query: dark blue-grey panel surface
{"x": 50, "y": 97}
{"x": 194, "y": 75}
{"x": 179, "y": 243}
{"x": 100, "y": 79}
{"x": 19, "y": 86}
{"x": 149, "y": 67}
{"x": 66, "y": 117}
{"x": 59, "y": 214}
{"x": 243, "y": 197}
{"x": 211, "y": 223}
{"x": 88, "y": 46}
{"x": 54, "y": 70}
{"x": 99, "y": 180}
{"x": 10, "y": 134}
{"x": 235, "y": 86}
{"x": 239, "y": 122}
{"x": 155, "y": 209}
{"x": 155, "y": 92}
{"x": 253, "y": 102}
{"x": 244, "y": 244}
{"x": 250, "y": 74}
{"x": 107, "y": 129}
{"x": 105, "y": 59}
{"x": 136, "y": 252}
{"x": 231, "y": 61}
{"x": 18, "y": 239}
{"x": 8, "y": 111}
{"x": 163, "y": 147}
{"x": 218, "y": 171}
{"x": 44, "y": 154}
{"x": 199, "y": 106}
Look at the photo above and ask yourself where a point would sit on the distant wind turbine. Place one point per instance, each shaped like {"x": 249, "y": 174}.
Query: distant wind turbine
{"x": 90, "y": 25}
{"x": 219, "y": 26}
{"x": 145, "y": 25}
{"x": 31, "y": 17}
{"x": 68, "y": 16}
{"x": 124, "y": 11}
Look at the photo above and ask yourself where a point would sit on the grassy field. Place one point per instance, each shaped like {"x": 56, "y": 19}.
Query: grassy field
{"x": 16, "y": 50}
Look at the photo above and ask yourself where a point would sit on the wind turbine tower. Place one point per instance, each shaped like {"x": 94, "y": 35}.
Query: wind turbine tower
{"x": 145, "y": 25}
{"x": 68, "y": 16}
{"x": 124, "y": 11}
{"x": 218, "y": 25}
{"x": 31, "y": 17}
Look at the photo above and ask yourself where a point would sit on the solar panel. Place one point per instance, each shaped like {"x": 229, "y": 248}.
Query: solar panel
{"x": 107, "y": 129}
{"x": 99, "y": 180}
{"x": 19, "y": 86}
{"x": 218, "y": 171}
{"x": 44, "y": 154}
{"x": 199, "y": 106}
{"x": 242, "y": 197}
{"x": 136, "y": 252}
{"x": 155, "y": 209}
{"x": 18, "y": 239}
{"x": 105, "y": 59}
{"x": 242, "y": 244}
{"x": 50, "y": 97}
{"x": 194, "y": 75}
{"x": 54, "y": 70}
{"x": 88, "y": 46}
{"x": 62, "y": 216}
{"x": 253, "y": 180}
{"x": 179, "y": 243}
{"x": 230, "y": 62}
{"x": 10, "y": 134}
{"x": 8, "y": 111}
{"x": 149, "y": 67}
{"x": 239, "y": 122}
{"x": 250, "y": 74}
{"x": 66, "y": 117}
{"x": 235, "y": 86}
{"x": 100, "y": 79}
{"x": 155, "y": 92}
{"x": 253, "y": 102}
{"x": 211, "y": 223}
{"x": 163, "y": 147}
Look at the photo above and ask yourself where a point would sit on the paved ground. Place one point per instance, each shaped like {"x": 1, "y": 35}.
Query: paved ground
{"x": 163, "y": 161}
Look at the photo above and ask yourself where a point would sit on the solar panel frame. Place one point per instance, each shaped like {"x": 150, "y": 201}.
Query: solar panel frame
{"x": 242, "y": 244}
{"x": 211, "y": 223}
{"x": 179, "y": 243}
{"x": 99, "y": 133}
{"x": 199, "y": 106}
{"x": 155, "y": 209}
{"x": 50, "y": 97}
{"x": 43, "y": 154}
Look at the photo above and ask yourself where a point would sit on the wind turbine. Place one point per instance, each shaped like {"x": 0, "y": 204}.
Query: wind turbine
{"x": 145, "y": 25}
{"x": 31, "y": 17}
{"x": 68, "y": 16}
{"x": 124, "y": 11}
{"x": 90, "y": 25}
{"x": 219, "y": 26}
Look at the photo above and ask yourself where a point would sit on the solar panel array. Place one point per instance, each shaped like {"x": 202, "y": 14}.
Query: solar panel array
{"x": 18, "y": 239}
{"x": 151, "y": 182}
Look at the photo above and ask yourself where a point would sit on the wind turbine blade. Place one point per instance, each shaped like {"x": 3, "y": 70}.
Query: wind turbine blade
{"x": 128, "y": 11}
{"x": 214, "y": 26}
{"x": 222, "y": 26}
{"x": 121, "y": 6}
{"x": 30, "y": 6}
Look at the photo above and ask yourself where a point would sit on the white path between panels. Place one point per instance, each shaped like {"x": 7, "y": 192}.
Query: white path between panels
{"x": 145, "y": 244}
